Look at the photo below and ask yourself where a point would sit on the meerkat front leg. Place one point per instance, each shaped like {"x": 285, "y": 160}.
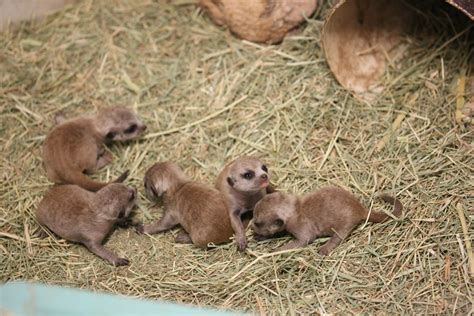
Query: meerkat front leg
{"x": 165, "y": 223}
{"x": 302, "y": 238}
{"x": 106, "y": 254}
{"x": 239, "y": 230}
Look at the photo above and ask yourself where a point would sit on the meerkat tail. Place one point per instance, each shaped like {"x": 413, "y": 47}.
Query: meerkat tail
{"x": 85, "y": 182}
{"x": 377, "y": 217}
{"x": 122, "y": 177}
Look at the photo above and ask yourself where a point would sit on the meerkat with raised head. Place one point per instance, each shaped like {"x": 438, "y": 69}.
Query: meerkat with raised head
{"x": 85, "y": 217}
{"x": 243, "y": 182}
{"x": 199, "y": 209}
{"x": 328, "y": 212}
{"x": 74, "y": 147}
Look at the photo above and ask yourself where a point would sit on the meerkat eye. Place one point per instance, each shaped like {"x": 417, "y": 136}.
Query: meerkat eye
{"x": 132, "y": 128}
{"x": 264, "y": 168}
{"x": 248, "y": 175}
{"x": 278, "y": 222}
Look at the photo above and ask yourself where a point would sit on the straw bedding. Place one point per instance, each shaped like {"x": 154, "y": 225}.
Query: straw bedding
{"x": 208, "y": 97}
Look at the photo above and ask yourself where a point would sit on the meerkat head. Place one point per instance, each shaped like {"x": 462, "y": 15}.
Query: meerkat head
{"x": 248, "y": 174}
{"x": 161, "y": 178}
{"x": 119, "y": 124}
{"x": 272, "y": 212}
{"x": 117, "y": 199}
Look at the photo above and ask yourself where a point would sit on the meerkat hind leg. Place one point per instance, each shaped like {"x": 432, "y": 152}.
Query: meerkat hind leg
{"x": 333, "y": 242}
{"x": 183, "y": 238}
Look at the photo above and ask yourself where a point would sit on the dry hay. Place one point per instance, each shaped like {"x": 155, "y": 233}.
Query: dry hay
{"x": 207, "y": 97}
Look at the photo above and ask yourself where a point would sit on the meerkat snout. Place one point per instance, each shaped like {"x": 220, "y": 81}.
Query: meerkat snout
{"x": 264, "y": 180}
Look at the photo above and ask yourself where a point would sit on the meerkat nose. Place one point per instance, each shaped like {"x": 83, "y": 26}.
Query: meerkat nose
{"x": 144, "y": 127}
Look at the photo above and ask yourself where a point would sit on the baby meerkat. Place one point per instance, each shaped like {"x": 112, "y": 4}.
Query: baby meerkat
{"x": 74, "y": 147}
{"x": 328, "y": 212}
{"x": 85, "y": 217}
{"x": 198, "y": 208}
{"x": 243, "y": 182}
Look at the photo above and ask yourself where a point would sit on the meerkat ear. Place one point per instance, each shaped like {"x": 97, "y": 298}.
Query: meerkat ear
{"x": 230, "y": 181}
{"x": 59, "y": 117}
{"x": 278, "y": 222}
{"x": 150, "y": 190}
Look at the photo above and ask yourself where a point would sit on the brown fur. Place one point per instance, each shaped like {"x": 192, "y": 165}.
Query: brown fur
{"x": 85, "y": 217}
{"x": 199, "y": 209}
{"x": 75, "y": 146}
{"x": 242, "y": 194}
{"x": 328, "y": 212}
{"x": 266, "y": 21}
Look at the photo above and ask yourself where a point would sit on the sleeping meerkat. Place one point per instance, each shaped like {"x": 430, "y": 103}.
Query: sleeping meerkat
{"x": 85, "y": 217}
{"x": 243, "y": 182}
{"x": 328, "y": 212}
{"x": 198, "y": 208}
{"x": 74, "y": 147}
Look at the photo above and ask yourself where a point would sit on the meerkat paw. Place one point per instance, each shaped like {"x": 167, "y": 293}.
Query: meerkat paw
{"x": 104, "y": 159}
{"x": 125, "y": 223}
{"x": 140, "y": 229}
{"x": 121, "y": 262}
{"x": 183, "y": 238}
{"x": 40, "y": 233}
{"x": 241, "y": 243}
{"x": 324, "y": 251}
